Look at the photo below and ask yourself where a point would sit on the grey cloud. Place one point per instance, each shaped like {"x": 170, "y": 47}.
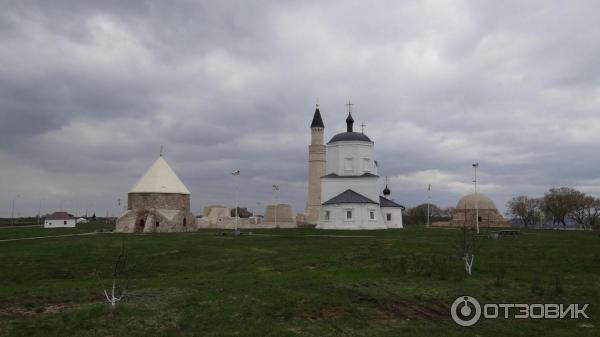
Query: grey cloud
{"x": 91, "y": 90}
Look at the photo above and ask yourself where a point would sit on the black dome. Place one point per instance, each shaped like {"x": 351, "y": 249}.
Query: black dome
{"x": 386, "y": 190}
{"x": 350, "y": 136}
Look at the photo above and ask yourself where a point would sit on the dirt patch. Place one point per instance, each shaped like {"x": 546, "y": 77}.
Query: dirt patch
{"x": 368, "y": 308}
{"x": 20, "y": 311}
{"x": 407, "y": 309}
{"x": 39, "y": 305}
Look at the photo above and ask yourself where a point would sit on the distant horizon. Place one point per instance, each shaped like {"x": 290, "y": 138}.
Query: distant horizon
{"x": 90, "y": 92}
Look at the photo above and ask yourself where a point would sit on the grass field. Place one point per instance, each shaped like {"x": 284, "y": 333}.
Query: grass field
{"x": 291, "y": 283}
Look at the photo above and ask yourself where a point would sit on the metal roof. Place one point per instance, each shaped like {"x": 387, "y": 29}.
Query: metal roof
{"x": 350, "y": 136}
{"x": 349, "y": 197}
{"x": 364, "y": 175}
{"x": 317, "y": 121}
{"x": 384, "y": 202}
{"x": 59, "y": 216}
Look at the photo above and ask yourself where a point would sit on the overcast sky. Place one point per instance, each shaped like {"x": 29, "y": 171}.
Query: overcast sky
{"x": 89, "y": 90}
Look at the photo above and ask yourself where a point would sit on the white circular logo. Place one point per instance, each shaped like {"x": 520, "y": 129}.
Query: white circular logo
{"x": 465, "y": 311}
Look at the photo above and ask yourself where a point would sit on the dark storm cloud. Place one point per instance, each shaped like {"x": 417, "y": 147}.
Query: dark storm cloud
{"x": 90, "y": 91}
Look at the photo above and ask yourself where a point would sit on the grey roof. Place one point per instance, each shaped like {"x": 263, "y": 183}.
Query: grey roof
{"x": 364, "y": 175}
{"x": 384, "y": 202}
{"x": 317, "y": 121}
{"x": 350, "y": 136}
{"x": 59, "y": 216}
{"x": 349, "y": 197}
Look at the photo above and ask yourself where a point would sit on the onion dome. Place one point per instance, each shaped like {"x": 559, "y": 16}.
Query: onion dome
{"x": 349, "y": 122}
{"x": 386, "y": 190}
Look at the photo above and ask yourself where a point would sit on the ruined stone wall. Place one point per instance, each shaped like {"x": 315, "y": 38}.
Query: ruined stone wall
{"x": 155, "y": 220}
{"x": 488, "y": 218}
{"x": 158, "y": 200}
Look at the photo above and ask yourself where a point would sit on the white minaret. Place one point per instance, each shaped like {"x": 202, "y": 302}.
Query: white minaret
{"x": 316, "y": 167}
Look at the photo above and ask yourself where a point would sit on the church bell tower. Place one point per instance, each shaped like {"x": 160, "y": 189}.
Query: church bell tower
{"x": 316, "y": 167}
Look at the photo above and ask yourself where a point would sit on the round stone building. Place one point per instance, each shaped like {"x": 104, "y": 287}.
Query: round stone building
{"x": 472, "y": 205}
{"x": 158, "y": 202}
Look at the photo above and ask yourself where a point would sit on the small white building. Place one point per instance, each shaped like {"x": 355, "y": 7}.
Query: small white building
{"x": 350, "y": 189}
{"x": 82, "y": 220}
{"x": 59, "y": 220}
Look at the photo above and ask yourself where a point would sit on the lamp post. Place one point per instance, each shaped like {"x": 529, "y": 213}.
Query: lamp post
{"x": 475, "y": 166}
{"x": 236, "y": 174}
{"x": 275, "y": 190}
{"x": 428, "y": 203}
{"x": 12, "y": 210}
{"x": 39, "y": 214}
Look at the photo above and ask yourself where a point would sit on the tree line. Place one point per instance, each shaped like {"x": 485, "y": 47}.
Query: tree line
{"x": 558, "y": 205}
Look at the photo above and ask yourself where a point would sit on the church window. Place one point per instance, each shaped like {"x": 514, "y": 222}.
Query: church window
{"x": 327, "y": 215}
{"x": 371, "y": 215}
{"x": 348, "y": 164}
{"x": 389, "y": 216}
{"x": 348, "y": 214}
{"x": 65, "y": 222}
{"x": 366, "y": 165}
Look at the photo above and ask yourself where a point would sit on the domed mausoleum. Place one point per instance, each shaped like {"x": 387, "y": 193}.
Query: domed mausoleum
{"x": 158, "y": 202}
{"x": 472, "y": 205}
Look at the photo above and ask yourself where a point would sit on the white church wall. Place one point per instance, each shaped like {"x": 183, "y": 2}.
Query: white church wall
{"x": 364, "y": 216}
{"x": 395, "y": 217}
{"x": 367, "y": 186}
{"x": 350, "y": 158}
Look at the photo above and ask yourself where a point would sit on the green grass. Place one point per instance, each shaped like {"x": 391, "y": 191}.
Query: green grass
{"x": 285, "y": 283}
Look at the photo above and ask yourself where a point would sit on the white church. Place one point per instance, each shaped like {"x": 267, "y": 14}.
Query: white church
{"x": 350, "y": 195}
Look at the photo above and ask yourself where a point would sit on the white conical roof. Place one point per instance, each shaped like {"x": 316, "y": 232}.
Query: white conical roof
{"x": 159, "y": 178}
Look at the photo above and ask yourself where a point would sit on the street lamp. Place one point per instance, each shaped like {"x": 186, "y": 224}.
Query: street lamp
{"x": 39, "y": 214}
{"x": 428, "y": 202}
{"x": 475, "y": 166}
{"x": 236, "y": 174}
{"x": 12, "y": 210}
{"x": 275, "y": 190}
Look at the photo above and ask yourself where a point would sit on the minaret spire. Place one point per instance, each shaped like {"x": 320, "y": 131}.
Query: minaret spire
{"x": 317, "y": 121}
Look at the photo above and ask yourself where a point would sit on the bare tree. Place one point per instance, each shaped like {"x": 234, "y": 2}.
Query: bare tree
{"x": 526, "y": 209}
{"x": 586, "y": 212}
{"x": 561, "y": 202}
{"x": 418, "y": 214}
{"x": 581, "y": 205}
{"x": 118, "y": 291}
{"x": 467, "y": 246}
{"x": 593, "y": 213}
